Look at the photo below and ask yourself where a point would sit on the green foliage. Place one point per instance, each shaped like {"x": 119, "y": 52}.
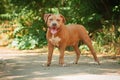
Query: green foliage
{"x": 27, "y": 16}
{"x": 119, "y": 62}
{"x": 2, "y": 7}
{"x": 84, "y": 47}
{"x": 5, "y": 16}
{"x": 29, "y": 32}
{"x": 107, "y": 40}
{"x": 28, "y": 37}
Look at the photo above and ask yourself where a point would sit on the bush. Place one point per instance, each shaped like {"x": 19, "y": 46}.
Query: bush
{"x": 29, "y": 32}
{"x": 27, "y": 17}
{"x": 107, "y": 40}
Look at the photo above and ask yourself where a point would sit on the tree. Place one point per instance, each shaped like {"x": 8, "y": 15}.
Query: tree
{"x": 28, "y": 15}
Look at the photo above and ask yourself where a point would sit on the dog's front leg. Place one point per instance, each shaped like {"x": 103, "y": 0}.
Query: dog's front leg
{"x": 50, "y": 53}
{"x": 61, "y": 57}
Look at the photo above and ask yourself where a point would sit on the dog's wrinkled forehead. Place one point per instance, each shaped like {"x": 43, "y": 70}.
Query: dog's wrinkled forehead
{"x": 51, "y": 17}
{"x": 54, "y": 17}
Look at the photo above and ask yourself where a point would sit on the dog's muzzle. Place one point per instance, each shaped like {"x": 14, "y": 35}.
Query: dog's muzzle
{"x": 54, "y": 24}
{"x": 53, "y": 29}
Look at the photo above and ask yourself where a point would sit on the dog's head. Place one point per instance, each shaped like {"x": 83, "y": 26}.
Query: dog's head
{"x": 54, "y": 22}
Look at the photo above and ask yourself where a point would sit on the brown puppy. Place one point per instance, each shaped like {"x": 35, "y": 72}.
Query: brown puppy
{"x": 61, "y": 35}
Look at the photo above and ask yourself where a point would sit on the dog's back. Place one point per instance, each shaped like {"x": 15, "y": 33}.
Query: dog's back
{"x": 76, "y": 33}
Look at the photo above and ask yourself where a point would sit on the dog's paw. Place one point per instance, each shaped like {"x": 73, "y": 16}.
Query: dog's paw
{"x": 98, "y": 63}
{"x": 45, "y": 65}
{"x": 73, "y": 62}
{"x": 64, "y": 65}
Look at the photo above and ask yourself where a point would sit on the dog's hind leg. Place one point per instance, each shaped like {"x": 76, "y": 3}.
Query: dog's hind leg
{"x": 77, "y": 51}
{"x": 88, "y": 42}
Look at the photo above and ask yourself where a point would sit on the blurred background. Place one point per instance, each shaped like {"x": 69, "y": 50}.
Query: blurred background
{"x": 22, "y": 25}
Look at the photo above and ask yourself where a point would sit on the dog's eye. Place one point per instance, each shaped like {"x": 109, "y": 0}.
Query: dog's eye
{"x": 58, "y": 20}
{"x": 51, "y": 19}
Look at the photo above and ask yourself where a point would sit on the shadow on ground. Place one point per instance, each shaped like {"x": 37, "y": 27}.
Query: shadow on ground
{"x": 30, "y": 67}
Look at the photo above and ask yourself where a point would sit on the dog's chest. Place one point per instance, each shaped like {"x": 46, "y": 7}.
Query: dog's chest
{"x": 55, "y": 40}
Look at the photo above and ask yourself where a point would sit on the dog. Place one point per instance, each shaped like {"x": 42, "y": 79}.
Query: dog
{"x": 61, "y": 35}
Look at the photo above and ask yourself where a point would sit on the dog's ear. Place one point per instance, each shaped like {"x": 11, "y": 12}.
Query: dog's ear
{"x": 46, "y": 17}
{"x": 64, "y": 20}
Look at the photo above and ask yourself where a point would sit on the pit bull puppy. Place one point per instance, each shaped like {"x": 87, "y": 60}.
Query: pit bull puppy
{"x": 61, "y": 35}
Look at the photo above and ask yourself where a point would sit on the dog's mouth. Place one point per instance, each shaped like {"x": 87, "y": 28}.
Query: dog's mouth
{"x": 53, "y": 29}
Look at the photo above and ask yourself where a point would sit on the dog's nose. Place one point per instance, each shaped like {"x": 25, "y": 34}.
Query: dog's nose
{"x": 54, "y": 24}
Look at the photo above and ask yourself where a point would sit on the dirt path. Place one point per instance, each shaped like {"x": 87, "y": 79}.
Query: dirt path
{"x": 22, "y": 65}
